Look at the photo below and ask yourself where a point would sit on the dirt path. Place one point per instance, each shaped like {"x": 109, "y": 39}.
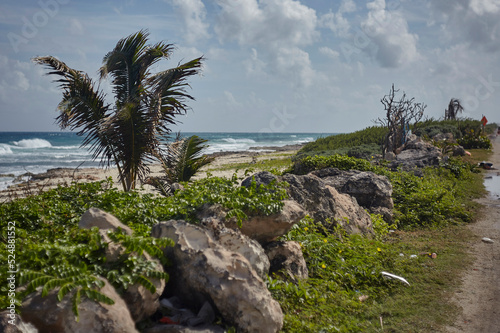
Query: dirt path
{"x": 479, "y": 295}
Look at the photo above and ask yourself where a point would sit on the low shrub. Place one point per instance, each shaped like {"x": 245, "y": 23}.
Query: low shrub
{"x": 475, "y": 140}
{"x": 342, "y": 162}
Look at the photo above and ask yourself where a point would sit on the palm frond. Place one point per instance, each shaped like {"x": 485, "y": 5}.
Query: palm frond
{"x": 181, "y": 160}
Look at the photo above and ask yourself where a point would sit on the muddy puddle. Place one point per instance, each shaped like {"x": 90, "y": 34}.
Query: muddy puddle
{"x": 492, "y": 184}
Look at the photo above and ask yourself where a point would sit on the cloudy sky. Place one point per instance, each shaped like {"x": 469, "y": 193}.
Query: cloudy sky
{"x": 271, "y": 65}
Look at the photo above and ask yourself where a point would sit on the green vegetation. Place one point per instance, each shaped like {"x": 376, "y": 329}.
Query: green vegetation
{"x": 331, "y": 144}
{"x": 367, "y": 142}
{"x": 182, "y": 160}
{"x": 54, "y": 253}
{"x": 128, "y": 132}
{"x": 346, "y": 291}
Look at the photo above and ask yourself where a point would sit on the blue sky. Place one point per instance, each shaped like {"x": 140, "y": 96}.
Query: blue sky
{"x": 271, "y": 65}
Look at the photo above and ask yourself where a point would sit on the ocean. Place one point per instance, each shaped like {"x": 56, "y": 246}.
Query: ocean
{"x": 37, "y": 152}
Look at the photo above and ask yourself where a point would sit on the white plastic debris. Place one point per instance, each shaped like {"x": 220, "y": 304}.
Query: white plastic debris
{"x": 393, "y": 276}
{"x": 487, "y": 240}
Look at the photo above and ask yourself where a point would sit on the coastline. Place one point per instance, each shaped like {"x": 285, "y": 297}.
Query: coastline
{"x": 224, "y": 165}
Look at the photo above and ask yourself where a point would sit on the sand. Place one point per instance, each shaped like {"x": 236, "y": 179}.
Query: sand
{"x": 225, "y": 164}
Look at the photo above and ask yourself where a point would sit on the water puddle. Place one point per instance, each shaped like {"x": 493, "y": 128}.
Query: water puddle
{"x": 492, "y": 184}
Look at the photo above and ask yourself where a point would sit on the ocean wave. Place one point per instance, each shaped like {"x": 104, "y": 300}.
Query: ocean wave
{"x": 236, "y": 141}
{"x": 5, "y": 149}
{"x": 32, "y": 143}
{"x": 304, "y": 140}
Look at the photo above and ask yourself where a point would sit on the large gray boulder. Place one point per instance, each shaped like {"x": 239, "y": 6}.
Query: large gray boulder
{"x": 141, "y": 302}
{"x": 260, "y": 178}
{"x": 95, "y": 217}
{"x": 372, "y": 191}
{"x": 325, "y": 204}
{"x": 213, "y": 218}
{"x": 203, "y": 271}
{"x": 265, "y": 229}
{"x": 47, "y": 314}
{"x": 235, "y": 241}
{"x": 416, "y": 154}
{"x": 287, "y": 260}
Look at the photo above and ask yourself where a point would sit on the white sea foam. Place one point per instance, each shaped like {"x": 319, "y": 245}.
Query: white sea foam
{"x": 32, "y": 143}
{"x": 238, "y": 141}
{"x": 5, "y": 149}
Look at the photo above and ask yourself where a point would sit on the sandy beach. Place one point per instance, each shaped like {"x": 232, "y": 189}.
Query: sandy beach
{"x": 225, "y": 164}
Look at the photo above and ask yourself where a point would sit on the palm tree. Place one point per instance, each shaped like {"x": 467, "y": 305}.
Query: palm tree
{"x": 180, "y": 161}
{"x": 454, "y": 107}
{"x": 128, "y": 131}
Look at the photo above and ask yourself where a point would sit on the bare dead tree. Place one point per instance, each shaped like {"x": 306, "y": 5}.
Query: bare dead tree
{"x": 399, "y": 114}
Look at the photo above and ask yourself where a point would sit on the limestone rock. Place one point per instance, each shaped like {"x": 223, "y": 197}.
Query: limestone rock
{"x": 457, "y": 151}
{"x": 287, "y": 258}
{"x": 265, "y": 229}
{"x": 95, "y": 217}
{"x": 416, "y": 154}
{"x": 372, "y": 191}
{"x": 235, "y": 241}
{"x": 49, "y": 315}
{"x": 324, "y": 203}
{"x": 213, "y": 218}
{"x": 141, "y": 302}
{"x": 204, "y": 271}
{"x": 261, "y": 178}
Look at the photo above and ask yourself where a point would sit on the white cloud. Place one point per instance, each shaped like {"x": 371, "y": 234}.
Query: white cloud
{"x": 294, "y": 64}
{"x": 329, "y": 52}
{"x": 267, "y": 22}
{"x": 254, "y": 65}
{"x": 194, "y": 14}
{"x": 476, "y": 22}
{"x": 275, "y": 31}
{"x": 481, "y": 7}
{"x": 347, "y": 6}
{"x": 336, "y": 22}
{"x": 388, "y": 30}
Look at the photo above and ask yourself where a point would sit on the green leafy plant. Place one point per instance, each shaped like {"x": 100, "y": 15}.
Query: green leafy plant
{"x": 180, "y": 161}
{"x": 474, "y": 139}
{"x": 75, "y": 265}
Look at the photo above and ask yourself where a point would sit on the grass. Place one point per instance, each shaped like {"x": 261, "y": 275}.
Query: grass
{"x": 426, "y": 305}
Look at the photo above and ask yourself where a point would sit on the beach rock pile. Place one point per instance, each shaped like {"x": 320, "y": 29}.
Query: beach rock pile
{"x": 416, "y": 154}
{"x": 203, "y": 270}
{"x": 372, "y": 192}
{"x": 322, "y": 201}
{"x": 215, "y": 264}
